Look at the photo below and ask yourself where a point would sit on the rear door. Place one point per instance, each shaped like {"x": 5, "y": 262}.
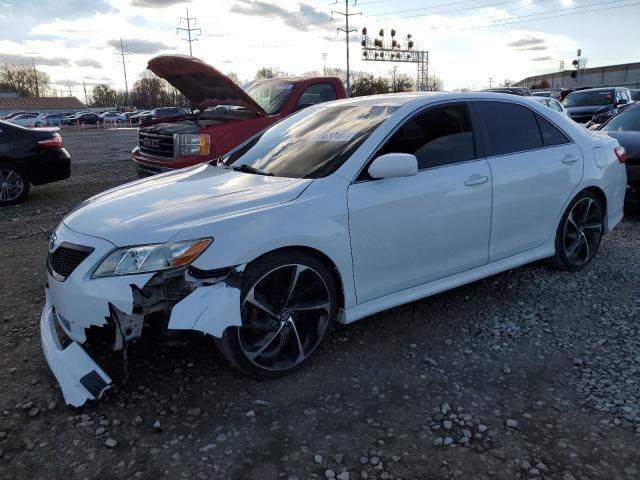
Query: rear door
{"x": 413, "y": 230}
{"x": 535, "y": 169}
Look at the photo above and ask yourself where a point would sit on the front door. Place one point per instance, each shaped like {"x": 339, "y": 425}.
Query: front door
{"x": 409, "y": 231}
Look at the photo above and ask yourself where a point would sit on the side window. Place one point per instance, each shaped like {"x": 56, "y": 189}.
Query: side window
{"x": 550, "y": 134}
{"x": 318, "y": 93}
{"x": 439, "y": 136}
{"x": 510, "y": 128}
{"x": 555, "y": 105}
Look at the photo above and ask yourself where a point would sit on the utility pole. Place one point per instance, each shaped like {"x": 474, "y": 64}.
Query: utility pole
{"x": 490, "y": 81}
{"x": 189, "y": 30}
{"x": 347, "y": 31}
{"x": 69, "y": 87}
{"x": 35, "y": 74}
{"x": 86, "y": 99}
{"x": 124, "y": 68}
{"x": 324, "y": 63}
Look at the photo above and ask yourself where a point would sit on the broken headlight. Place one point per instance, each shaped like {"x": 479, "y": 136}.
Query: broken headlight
{"x": 151, "y": 258}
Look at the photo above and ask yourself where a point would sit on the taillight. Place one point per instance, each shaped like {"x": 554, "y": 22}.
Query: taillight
{"x": 621, "y": 153}
{"x": 54, "y": 142}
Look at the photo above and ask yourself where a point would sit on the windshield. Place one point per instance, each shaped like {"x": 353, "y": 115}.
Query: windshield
{"x": 588, "y": 98}
{"x": 270, "y": 94}
{"x": 626, "y": 121}
{"x": 312, "y": 143}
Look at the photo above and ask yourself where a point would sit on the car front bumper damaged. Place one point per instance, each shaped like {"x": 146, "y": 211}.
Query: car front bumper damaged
{"x": 79, "y": 307}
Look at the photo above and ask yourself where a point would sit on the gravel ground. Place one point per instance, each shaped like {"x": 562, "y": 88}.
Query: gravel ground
{"x": 530, "y": 374}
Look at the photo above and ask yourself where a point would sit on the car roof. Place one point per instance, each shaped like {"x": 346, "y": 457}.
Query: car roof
{"x": 419, "y": 98}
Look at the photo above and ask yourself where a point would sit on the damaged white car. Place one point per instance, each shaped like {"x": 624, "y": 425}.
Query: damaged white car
{"x": 334, "y": 213}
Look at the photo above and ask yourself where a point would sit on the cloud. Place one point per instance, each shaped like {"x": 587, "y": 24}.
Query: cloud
{"x": 307, "y": 16}
{"x": 135, "y": 45}
{"x": 16, "y": 59}
{"x": 527, "y": 41}
{"x": 536, "y": 48}
{"x": 155, "y": 3}
{"x": 546, "y": 58}
{"x": 87, "y": 62}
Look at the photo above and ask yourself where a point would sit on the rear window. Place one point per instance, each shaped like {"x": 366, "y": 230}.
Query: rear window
{"x": 589, "y": 97}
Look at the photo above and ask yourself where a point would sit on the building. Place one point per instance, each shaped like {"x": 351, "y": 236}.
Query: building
{"x": 624, "y": 75}
{"x": 10, "y": 104}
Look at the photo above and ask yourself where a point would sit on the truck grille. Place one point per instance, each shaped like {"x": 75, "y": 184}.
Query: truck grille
{"x": 155, "y": 144}
{"x": 66, "y": 259}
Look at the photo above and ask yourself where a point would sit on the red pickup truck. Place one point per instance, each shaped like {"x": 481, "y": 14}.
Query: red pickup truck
{"x": 225, "y": 115}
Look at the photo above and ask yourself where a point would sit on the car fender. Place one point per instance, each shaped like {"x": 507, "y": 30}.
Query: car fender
{"x": 317, "y": 219}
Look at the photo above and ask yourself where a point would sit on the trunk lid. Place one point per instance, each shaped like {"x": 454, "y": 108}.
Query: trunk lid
{"x": 201, "y": 83}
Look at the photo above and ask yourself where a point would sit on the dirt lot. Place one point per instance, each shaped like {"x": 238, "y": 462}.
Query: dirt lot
{"x": 528, "y": 374}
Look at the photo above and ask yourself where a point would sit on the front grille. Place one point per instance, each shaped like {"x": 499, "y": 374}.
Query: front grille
{"x": 66, "y": 258}
{"x": 155, "y": 144}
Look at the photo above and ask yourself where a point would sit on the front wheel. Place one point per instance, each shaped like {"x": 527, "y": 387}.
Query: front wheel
{"x": 288, "y": 306}
{"x": 14, "y": 185}
{"x": 580, "y": 232}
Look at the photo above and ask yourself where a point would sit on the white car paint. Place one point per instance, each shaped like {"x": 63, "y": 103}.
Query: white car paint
{"x": 392, "y": 240}
{"x": 24, "y": 120}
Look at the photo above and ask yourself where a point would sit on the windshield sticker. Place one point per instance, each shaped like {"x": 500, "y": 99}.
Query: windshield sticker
{"x": 334, "y": 137}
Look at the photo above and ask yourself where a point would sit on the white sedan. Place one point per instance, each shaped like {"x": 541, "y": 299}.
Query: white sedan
{"x": 113, "y": 117}
{"x": 552, "y": 103}
{"x": 25, "y": 120}
{"x": 335, "y": 213}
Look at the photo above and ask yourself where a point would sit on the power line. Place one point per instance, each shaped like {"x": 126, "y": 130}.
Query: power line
{"x": 347, "y": 31}
{"x": 189, "y": 30}
{"x": 124, "y": 68}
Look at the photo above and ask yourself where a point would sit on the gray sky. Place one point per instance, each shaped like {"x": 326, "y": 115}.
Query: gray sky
{"x": 468, "y": 40}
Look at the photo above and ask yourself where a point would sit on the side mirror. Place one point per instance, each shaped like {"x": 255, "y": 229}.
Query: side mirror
{"x": 393, "y": 165}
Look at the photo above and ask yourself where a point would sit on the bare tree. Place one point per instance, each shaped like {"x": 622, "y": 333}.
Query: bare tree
{"x": 507, "y": 83}
{"x": 24, "y": 80}
{"x": 266, "y": 72}
{"x": 104, "y": 96}
{"x": 234, "y": 76}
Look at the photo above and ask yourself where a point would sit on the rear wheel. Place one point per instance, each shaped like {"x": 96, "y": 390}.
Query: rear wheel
{"x": 288, "y": 306}
{"x": 14, "y": 185}
{"x": 580, "y": 232}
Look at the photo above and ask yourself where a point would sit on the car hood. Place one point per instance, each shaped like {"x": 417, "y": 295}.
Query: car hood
{"x": 156, "y": 209}
{"x": 202, "y": 84}
{"x": 629, "y": 140}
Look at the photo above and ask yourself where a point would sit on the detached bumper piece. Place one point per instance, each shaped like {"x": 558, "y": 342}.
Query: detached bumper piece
{"x": 79, "y": 376}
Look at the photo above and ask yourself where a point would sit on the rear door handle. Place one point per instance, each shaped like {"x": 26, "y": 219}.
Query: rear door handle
{"x": 476, "y": 180}
{"x": 569, "y": 159}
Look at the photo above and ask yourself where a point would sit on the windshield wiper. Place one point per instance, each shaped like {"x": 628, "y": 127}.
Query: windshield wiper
{"x": 249, "y": 169}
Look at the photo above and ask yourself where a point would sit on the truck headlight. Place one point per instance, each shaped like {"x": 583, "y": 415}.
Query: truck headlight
{"x": 151, "y": 258}
{"x": 190, "y": 144}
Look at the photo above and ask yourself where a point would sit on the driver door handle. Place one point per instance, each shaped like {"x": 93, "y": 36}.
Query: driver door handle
{"x": 569, "y": 159}
{"x": 476, "y": 180}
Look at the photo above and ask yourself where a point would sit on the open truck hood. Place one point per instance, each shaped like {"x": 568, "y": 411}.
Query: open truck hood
{"x": 201, "y": 83}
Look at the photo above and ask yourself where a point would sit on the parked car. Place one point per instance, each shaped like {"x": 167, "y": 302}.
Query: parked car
{"x": 603, "y": 103}
{"x": 25, "y": 119}
{"x": 227, "y": 115}
{"x": 625, "y": 127}
{"x": 552, "y": 103}
{"x": 82, "y": 118}
{"x": 113, "y": 117}
{"x": 49, "y": 119}
{"x": 523, "y": 92}
{"x": 140, "y": 114}
{"x": 321, "y": 218}
{"x": 547, "y": 93}
{"x": 29, "y": 157}
{"x": 635, "y": 94}
{"x": 9, "y": 116}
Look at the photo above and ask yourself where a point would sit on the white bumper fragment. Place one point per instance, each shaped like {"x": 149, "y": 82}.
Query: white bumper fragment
{"x": 80, "y": 378}
{"x": 208, "y": 309}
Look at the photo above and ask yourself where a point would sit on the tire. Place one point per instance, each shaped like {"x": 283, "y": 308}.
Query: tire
{"x": 38, "y": 124}
{"x": 271, "y": 345}
{"x": 579, "y": 233}
{"x": 14, "y": 185}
